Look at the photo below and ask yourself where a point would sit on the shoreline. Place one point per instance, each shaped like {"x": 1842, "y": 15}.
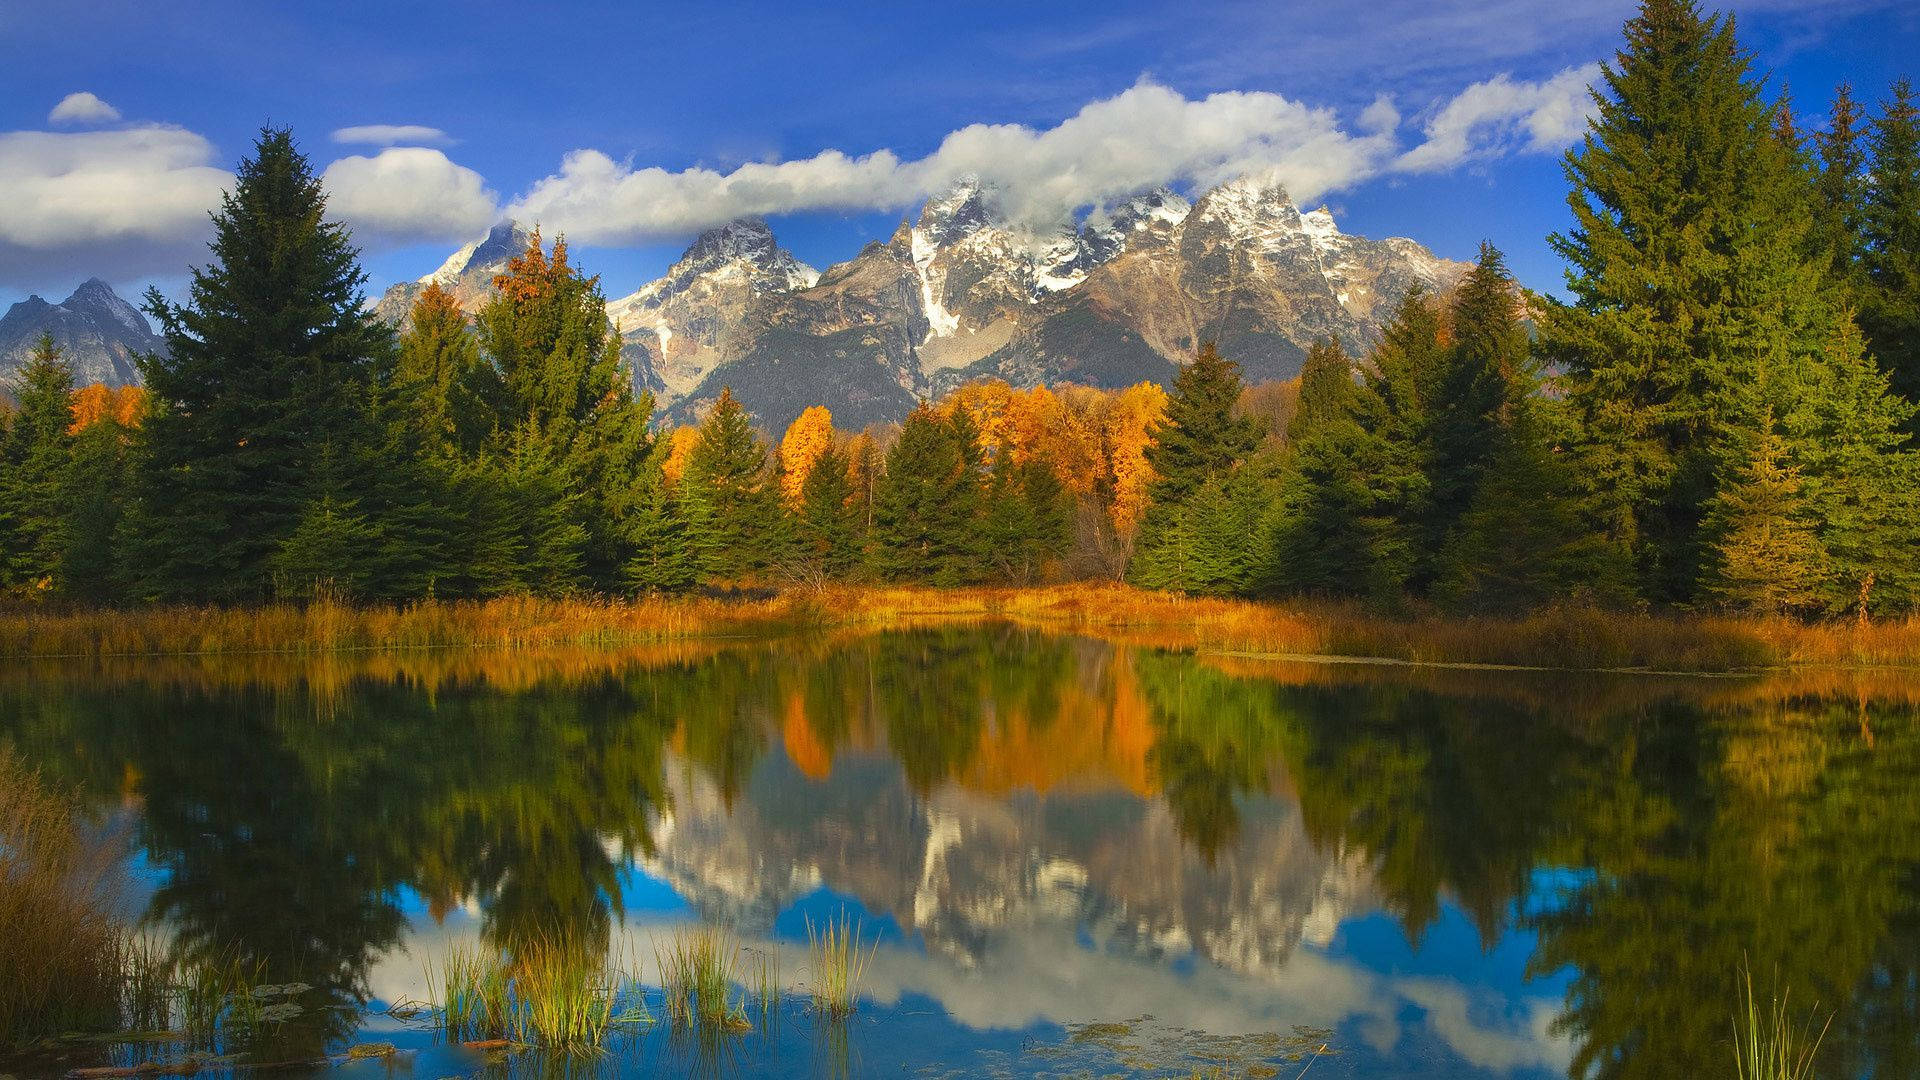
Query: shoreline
{"x": 1561, "y": 638}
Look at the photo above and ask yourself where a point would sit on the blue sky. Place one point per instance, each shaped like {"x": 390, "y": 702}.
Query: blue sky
{"x": 1436, "y": 119}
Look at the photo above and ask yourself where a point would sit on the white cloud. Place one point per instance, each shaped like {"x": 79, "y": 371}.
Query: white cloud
{"x": 1146, "y": 136}
{"x": 115, "y": 203}
{"x": 83, "y": 108}
{"x": 1501, "y": 115}
{"x": 393, "y": 135}
{"x": 408, "y": 193}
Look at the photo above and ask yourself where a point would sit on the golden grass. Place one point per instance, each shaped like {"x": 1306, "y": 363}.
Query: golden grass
{"x": 64, "y": 947}
{"x": 1568, "y": 636}
{"x": 1768, "y": 1045}
{"x": 554, "y": 992}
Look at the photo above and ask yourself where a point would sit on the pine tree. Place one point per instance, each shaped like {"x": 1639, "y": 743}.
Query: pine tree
{"x": 34, "y": 459}
{"x": 1861, "y": 480}
{"x": 95, "y": 490}
{"x": 1485, "y": 374}
{"x": 827, "y": 520}
{"x": 925, "y": 515}
{"x": 730, "y": 499}
{"x": 1766, "y": 556}
{"x": 1028, "y": 518}
{"x": 1840, "y": 191}
{"x": 267, "y": 366}
{"x": 663, "y": 560}
{"x": 1890, "y": 227}
{"x": 1201, "y": 438}
{"x": 1326, "y": 390}
{"x": 1697, "y": 290}
{"x": 553, "y": 389}
{"x": 438, "y": 359}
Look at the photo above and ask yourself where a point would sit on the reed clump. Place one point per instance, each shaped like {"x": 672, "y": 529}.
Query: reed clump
{"x": 65, "y": 948}
{"x": 1768, "y": 1044}
{"x": 838, "y": 962}
{"x": 553, "y": 992}
{"x": 698, "y": 966}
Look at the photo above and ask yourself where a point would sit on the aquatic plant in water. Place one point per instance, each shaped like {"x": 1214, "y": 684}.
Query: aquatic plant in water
{"x": 838, "y": 961}
{"x": 1767, "y": 1045}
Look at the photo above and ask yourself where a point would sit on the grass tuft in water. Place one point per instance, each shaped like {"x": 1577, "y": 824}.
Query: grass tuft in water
{"x": 554, "y": 992}
{"x": 697, "y": 967}
{"x": 1767, "y": 1045}
{"x": 838, "y": 961}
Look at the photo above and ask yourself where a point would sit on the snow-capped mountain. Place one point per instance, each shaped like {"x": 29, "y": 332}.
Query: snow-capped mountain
{"x": 468, "y": 273}
{"x": 963, "y": 292}
{"x": 98, "y": 333}
{"x": 677, "y": 327}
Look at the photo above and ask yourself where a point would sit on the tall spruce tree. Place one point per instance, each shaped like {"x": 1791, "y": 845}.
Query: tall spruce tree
{"x": 97, "y": 485}
{"x": 1486, "y": 372}
{"x": 729, "y": 493}
{"x": 1326, "y": 390}
{"x": 827, "y": 521}
{"x": 267, "y": 368}
{"x": 1696, "y": 288}
{"x": 1028, "y": 518}
{"x": 662, "y": 558}
{"x": 1890, "y": 229}
{"x": 926, "y": 504}
{"x": 555, "y": 400}
{"x": 1201, "y": 438}
{"x": 35, "y": 456}
{"x": 1840, "y": 192}
{"x": 1766, "y": 554}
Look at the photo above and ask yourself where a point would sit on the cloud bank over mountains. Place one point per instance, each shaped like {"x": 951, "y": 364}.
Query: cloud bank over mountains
{"x": 132, "y": 200}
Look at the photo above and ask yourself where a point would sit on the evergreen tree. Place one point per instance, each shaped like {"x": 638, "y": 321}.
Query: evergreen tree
{"x": 663, "y": 559}
{"x": 1766, "y": 554}
{"x": 267, "y": 366}
{"x": 1028, "y": 520}
{"x": 925, "y": 518}
{"x": 34, "y": 459}
{"x": 437, "y": 364}
{"x": 554, "y": 390}
{"x": 1861, "y": 480}
{"x": 1697, "y": 290}
{"x": 97, "y": 484}
{"x": 1201, "y": 438}
{"x": 827, "y": 520}
{"x": 1890, "y": 228}
{"x": 1840, "y": 192}
{"x": 1326, "y": 390}
{"x": 730, "y": 499}
{"x": 1485, "y": 374}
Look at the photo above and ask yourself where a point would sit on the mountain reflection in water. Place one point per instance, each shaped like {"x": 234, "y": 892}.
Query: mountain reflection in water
{"x": 1458, "y": 873}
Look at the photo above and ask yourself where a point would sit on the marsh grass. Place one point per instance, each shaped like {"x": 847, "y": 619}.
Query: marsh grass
{"x": 553, "y": 992}
{"x": 62, "y": 945}
{"x": 764, "y": 970}
{"x": 838, "y": 962}
{"x": 698, "y": 966}
{"x": 1568, "y": 635}
{"x": 1768, "y": 1044}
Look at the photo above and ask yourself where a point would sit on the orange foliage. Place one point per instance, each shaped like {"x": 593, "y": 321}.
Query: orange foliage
{"x": 679, "y": 445}
{"x": 809, "y": 436}
{"x": 1094, "y": 438}
{"x": 812, "y": 757}
{"x": 96, "y": 402}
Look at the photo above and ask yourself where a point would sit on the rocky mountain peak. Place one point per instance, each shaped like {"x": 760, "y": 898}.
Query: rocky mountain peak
{"x": 490, "y": 254}
{"x": 98, "y": 333}
{"x": 961, "y": 212}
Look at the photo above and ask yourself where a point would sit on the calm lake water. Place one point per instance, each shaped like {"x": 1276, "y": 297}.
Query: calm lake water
{"x": 1212, "y": 860}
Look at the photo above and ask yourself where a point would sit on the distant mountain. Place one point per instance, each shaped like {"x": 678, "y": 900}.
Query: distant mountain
{"x": 98, "y": 333}
{"x": 963, "y": 292}
{"x": 468, "y": 273}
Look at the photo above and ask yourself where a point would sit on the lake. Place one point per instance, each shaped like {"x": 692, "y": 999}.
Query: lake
{"x": 1076, "y": 857}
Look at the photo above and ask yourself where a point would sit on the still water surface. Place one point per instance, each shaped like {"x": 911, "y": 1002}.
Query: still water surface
{"x": 1216, "y": 861}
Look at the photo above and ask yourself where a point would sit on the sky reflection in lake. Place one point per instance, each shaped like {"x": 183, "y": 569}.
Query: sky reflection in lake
{"x": 1456, "y": 874}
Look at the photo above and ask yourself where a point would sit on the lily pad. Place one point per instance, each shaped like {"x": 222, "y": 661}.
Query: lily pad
{"x": 262, "y": 993}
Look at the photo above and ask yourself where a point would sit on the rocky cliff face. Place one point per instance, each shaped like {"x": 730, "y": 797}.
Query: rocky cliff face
{"x": 98, "y": 334}
{"x": 962, "y": 292}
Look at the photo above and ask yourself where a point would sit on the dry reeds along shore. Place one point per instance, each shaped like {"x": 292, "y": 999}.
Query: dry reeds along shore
{"x": 1569, "y": 636}
{"x": 62, "y": 946}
